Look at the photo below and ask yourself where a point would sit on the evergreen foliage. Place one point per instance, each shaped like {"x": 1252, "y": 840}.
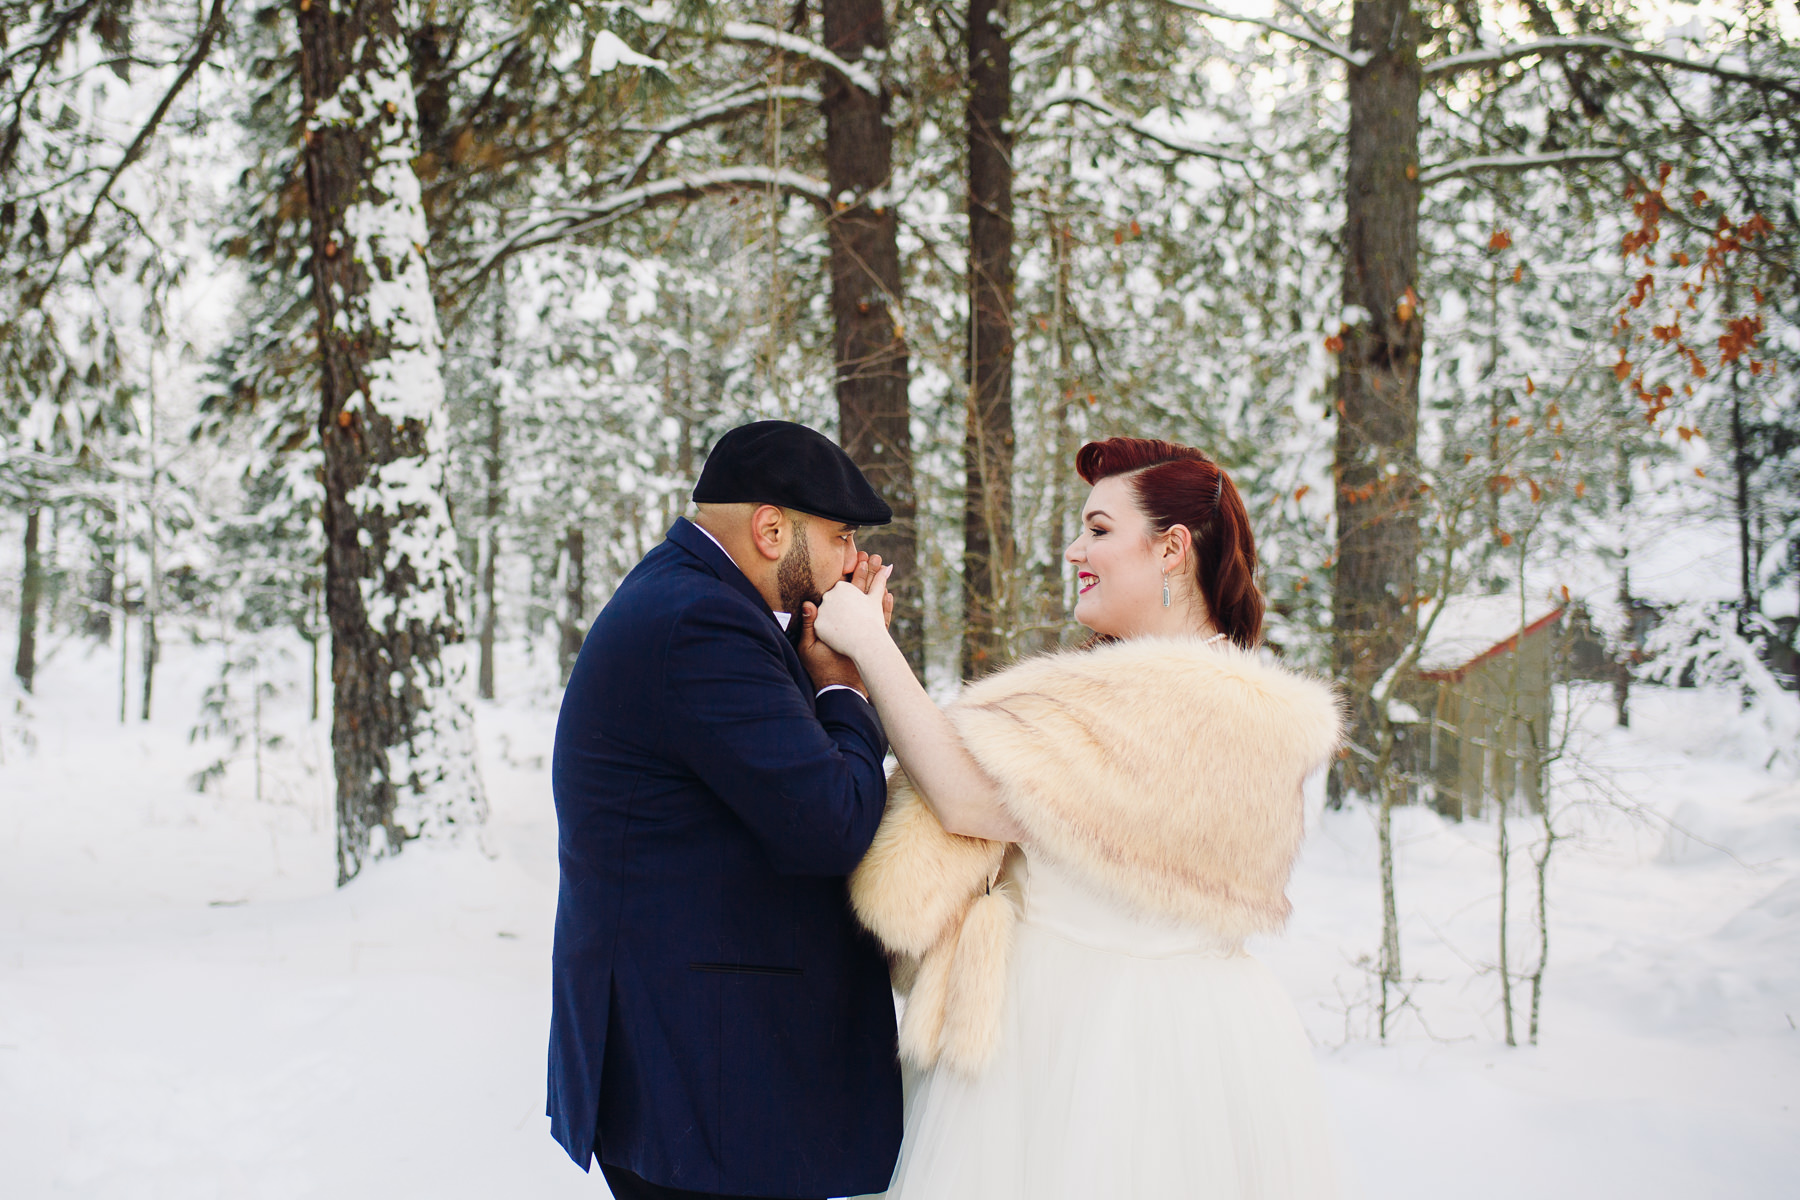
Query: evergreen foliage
{"x": 628, "y": 250}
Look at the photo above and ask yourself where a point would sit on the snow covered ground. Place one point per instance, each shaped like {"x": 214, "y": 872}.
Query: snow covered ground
{"x": 189, "y": 1008}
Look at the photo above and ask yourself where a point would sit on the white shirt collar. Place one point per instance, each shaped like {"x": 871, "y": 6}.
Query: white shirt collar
{"x": 781, "y": 618}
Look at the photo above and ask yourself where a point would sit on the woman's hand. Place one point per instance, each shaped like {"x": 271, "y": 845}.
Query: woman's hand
{"x": 962, "y": 796}
{"x": 854, "y": 622}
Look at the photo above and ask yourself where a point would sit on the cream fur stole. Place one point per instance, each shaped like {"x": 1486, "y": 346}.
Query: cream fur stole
{"x": 1165, "y": 772}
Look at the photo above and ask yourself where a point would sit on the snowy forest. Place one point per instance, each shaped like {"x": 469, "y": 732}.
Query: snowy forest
{"x": 352, "y": 351}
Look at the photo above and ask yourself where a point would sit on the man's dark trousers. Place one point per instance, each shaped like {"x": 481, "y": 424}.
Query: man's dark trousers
{"x": 720, "y": 1024}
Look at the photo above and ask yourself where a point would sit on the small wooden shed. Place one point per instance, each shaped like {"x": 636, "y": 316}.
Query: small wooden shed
{"x": 1485, "y": 679}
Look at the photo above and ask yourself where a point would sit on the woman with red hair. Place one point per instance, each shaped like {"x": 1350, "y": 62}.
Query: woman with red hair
{"x": 1072, "y": 856}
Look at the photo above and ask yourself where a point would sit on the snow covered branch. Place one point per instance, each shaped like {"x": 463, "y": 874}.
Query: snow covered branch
{"x": 1512, "y": 162}
{"x": 1495, "y": 56}
{"x": 1356, "y": 58}
{"x": 775, "y": 39}
{"x": 578, "y": 219}
{"x": 1124, "y": 120}
{"x": 1312, "y": 22}
{"x": 706, "y": 113}
{"x": 610, "y": 53}
{"x": 203, "y": 43}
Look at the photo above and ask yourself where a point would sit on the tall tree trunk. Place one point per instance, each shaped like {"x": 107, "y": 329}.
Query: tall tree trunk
{"x": 1373, "y": 600}
{"x": 402, "y": 733}
{"x": 1388, "y": 968}
{"x": 1504, "y": 850}
{"x": 1628, "y": 637}
{"x": 489, "y": 552}
{"x": 1054, "y": 585}
{"x": 688, "y": 413}
{"x": 153, "y": 580}
{"x": 874, "y": 419}
{"x": 152, "y": 648}
{"x": 1748, "y": 601}
{"x": 31, "y": 594}
{"x": 98, "y": 622}
{"x": 572, "y": 599}
{"x": 490, "y": 525}
{"x": 121, "y": 552}
{"x": 1741, "y": 467}
{"x": 988, "y": 550}
{"x": 1540, "y": 863}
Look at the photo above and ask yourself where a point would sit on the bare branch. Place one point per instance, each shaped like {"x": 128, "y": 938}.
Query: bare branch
{"x": 215, "y": 21}
{"x": 762, "y": 35}
{"x": 1124, "y": 120}
{"x": 1356, "y": 58}
{"x": 1495, "y": 56}
{"x": 47, "y": 48}
{"x": 574, "y": 220}
{"x": 1513, "y": 162}
{"x": 707, "y": 113}
{"x": 1312, "y": 22}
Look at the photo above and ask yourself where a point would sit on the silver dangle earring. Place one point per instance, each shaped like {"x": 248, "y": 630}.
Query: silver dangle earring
{"x": 1165, "y": 589}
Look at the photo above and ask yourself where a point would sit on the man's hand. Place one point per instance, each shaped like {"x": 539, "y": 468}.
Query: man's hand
{"x": 825, "y": 666}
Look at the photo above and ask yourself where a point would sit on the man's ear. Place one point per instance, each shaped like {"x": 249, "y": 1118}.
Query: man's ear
{"x": 770, "y": 531}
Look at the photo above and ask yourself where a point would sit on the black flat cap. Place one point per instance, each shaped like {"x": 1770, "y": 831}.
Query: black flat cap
{"x": 781, "y": 463}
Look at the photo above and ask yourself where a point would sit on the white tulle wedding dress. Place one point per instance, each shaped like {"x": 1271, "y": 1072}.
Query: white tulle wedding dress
{"x": 1136, "y": 1059}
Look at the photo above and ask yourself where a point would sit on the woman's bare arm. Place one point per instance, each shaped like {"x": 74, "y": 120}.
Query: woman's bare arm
{"x": 963, "y": 797}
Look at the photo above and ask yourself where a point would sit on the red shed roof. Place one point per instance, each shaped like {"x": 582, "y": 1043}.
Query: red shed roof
{"x": 1474, "y": 629}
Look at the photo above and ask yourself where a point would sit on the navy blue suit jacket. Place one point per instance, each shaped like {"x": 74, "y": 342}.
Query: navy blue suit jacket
{"x": 720, "y": 1023}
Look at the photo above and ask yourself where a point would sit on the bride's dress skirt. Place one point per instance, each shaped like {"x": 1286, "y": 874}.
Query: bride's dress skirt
{"x": 1135, "y": 1060}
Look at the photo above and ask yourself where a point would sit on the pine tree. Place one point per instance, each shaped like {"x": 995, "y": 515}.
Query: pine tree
{"x": 402, "y": 730}
{"x": 874, "y": 414}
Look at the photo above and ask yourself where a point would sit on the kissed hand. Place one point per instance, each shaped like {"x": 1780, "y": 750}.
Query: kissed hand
{"x": 825, "y": 665}
{"x": 853, "y": 620}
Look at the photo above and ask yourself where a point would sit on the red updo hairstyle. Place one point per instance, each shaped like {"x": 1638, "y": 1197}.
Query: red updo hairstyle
{"x": 1178, "y": 485}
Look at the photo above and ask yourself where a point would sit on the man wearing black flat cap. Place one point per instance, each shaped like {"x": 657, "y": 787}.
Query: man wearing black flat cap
{"x": 720, "y": 1024}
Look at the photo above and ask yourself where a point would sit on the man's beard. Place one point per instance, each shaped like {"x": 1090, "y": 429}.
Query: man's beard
{"x": 794, "y": 580}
